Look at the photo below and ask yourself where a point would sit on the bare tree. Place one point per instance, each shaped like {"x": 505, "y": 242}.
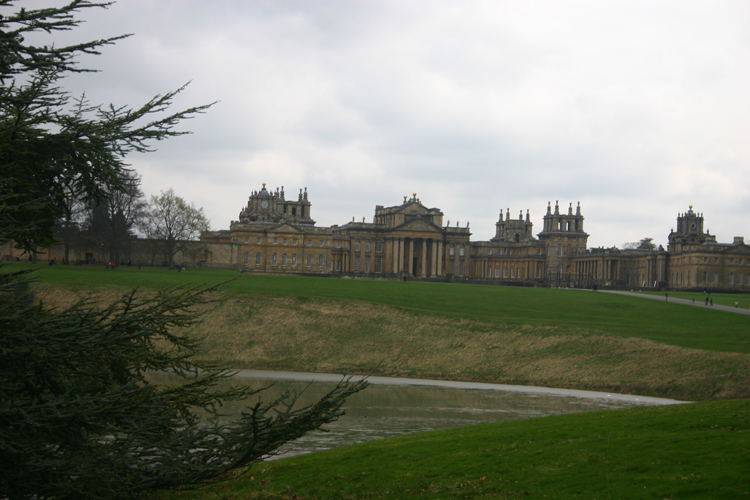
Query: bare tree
{"x": 173, "y": 222}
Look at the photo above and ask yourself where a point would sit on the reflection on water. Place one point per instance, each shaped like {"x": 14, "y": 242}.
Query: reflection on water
{"x": 382, "y": 411}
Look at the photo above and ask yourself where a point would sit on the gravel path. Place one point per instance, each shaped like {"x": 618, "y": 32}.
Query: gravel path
{"x": 689, "y": 302}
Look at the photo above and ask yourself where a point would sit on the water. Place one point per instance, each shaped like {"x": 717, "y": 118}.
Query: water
{"x": 391, "y": 407}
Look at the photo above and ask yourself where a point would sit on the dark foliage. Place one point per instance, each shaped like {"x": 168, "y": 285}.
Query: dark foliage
{"x": 78, "y": 415}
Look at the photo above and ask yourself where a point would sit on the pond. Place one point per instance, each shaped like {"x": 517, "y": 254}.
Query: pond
{"x": 393, "y": 406}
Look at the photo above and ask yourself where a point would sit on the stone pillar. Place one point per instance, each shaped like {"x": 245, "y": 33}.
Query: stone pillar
{"x": 424, "y": 257}
{"x": 433, "y": 268}
{"x": 440, "y": 257}
{"x": 411, "y": 256}
{"x": 400, "y": 254}
{"x": 394, "y": 255}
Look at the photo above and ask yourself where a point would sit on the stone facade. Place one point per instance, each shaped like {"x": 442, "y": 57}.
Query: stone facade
{"x": 274, "y": 235}
{"x": 410, "y": 240}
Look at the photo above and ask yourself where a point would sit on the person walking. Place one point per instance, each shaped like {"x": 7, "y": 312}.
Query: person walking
{"x": 666, "y": 296}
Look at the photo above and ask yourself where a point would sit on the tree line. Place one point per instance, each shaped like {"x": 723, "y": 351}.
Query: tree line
{"x": 167, "y": 221}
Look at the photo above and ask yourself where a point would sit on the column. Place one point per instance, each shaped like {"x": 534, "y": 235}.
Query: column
{"x": 400, "y": 254}
{"x": 411, "y": 256}
{"x": 440, "y": 257}
{"x": 350, "y": 267}
{"x": 424, "y": 257}
{"x": 434, "y": 257}
{"x": 394, "y": 249}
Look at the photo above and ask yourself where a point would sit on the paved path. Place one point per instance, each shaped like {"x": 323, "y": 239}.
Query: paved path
{"x": 689, "y": 302}
{"x": 530, "y": 389}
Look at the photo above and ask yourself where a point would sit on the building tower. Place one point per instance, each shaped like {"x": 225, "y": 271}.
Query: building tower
{"x": 563, "y": 237}
{"x": 689, "y": 232}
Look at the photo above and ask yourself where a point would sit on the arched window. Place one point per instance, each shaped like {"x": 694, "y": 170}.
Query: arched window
{"x": 320, "y": 262}
{"x": 356, "y": 245}
{"x": 461, "y": 251}
{"x": 294, "y": 259}
{"x": 452, "y": 250}
{"x": 257, "y": 259}
{"x": 367, "y": 246}
{"x": 247, "y": 258}
{"x": 283, "y": 260}
{"x": 275, "y": 261}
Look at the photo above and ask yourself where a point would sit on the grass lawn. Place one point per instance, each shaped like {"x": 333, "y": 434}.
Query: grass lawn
{"x": 699, "y": 450}
{"x": 664, "y": 322}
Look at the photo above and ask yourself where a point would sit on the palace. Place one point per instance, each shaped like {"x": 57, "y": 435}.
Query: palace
{"x": 410, "y": 240}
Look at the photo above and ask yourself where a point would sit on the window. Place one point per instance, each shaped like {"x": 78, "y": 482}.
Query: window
{"x": 294, "y": 260}
{"x": 367, "y": 246}
{"x": 489, "y": 272}
{"x": 258, "y": 240}
{"x": 497, "y": 272}
{"x": 452, "y": 251}
{"x": 247, "y": 258}
{"x": 539, "y": 251}
{"x": 705, "y": 277}
{"x": 285, "y": 241}
{"x": 451, "y": 266}
{"x": 338, "y": 265}
{"x": 489, "y": 252}
{"x": 283, "y": 260}
{"x": 379, "y": 264}
{"x": 322, "y": 242}
{"x": 539, "y": 272}
{"x": 309, "y": 243}
{"x": 275, "y": 241}
{"x": 294, "y": 242}
{"x": 739, "y": 279}
{"x": 367, "y": 262}
{"x": 716, "y": 278}
{"x": 247, "y": 239}
{"x": 461, "y": 251}
{"x": 379, "y": 246}
{"x": 505, "y": 272}
{"x": 257, "y": 259}
{"x": 559, "y": 250}
{"x": 275, "y": 261}
{"x": 705, "y": 260}
{"x": 356, "y": 245}
{"x": 461, "y": 268}
{"x": 320, "y": 262}
{"x": 513, "y": 272}
{"x": 309, "y": 260}
{"x": 716, "y": 260}
{"x": 731, "y": 278}
{"x": 740, "y": 261}
{"x": 338, "y": 244}
{"x": 356, "y": 263}
{"x": 731, "y": 261}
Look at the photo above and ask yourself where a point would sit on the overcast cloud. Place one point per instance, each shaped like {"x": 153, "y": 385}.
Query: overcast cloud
{"x": 636, "y": 109}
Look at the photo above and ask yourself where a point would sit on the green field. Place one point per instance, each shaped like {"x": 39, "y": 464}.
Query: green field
{"x": 621, "y": 315}
{"x": 686, "y": 451}
{"x": 562, "y": 338}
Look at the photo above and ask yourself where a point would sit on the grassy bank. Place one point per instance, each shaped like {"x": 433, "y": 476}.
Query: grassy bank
{"x": 686, "y": 451}
{"x": 616, "y": 315}
{"x": 393, "y": 329}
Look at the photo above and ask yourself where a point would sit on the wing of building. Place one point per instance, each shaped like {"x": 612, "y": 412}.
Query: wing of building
{"x": 275, "y": 235}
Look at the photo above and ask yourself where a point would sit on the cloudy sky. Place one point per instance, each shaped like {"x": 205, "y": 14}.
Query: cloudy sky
{"x": 636, "y": 109}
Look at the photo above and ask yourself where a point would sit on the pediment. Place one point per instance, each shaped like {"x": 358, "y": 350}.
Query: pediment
{"x": 418, "y": 225}
{"x": 285, "y": 228}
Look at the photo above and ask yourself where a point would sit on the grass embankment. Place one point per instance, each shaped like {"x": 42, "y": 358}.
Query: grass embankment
{"x": 559, "y": 338}
{"x": 685, "y": 451}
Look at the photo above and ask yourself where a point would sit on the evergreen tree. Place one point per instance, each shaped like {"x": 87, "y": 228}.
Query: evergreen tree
{"x": 79, "y": 417}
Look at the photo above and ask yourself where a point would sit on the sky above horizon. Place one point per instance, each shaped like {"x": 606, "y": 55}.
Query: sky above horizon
{"x": 635, "y": 109}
